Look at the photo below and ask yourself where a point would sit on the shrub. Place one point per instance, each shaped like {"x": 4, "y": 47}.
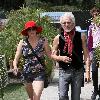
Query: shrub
{"x": 64, "y": 8}
{"x": 3, "y": 75}
{"x": 97, "y": 51}
{"x": 10, "y": 36}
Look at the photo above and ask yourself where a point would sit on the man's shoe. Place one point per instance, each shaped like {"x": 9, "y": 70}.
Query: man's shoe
{"x": 93, "y": 97}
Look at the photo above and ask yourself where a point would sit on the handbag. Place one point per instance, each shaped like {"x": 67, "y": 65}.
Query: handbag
{"x": 46, "y": 82}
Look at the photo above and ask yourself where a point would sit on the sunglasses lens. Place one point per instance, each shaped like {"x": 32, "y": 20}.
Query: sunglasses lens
{"x": 31, "y": 29}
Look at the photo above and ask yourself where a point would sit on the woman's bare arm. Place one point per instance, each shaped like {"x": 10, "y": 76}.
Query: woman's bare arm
{"x": 17, "y": 55}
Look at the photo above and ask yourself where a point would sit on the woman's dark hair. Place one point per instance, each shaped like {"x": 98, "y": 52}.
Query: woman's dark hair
{"x": 94, "y": 9}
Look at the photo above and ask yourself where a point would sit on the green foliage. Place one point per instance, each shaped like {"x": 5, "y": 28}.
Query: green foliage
{"x": 49, "y": 65}
{"x": 96, "y": 20}
{"x": 98, "y": 5}
{"x": 10, "y": 36}
{"x": 65, "y": 8}
{"x": 3, "y": 75}
{"x": 97, "y": 51}
{"x": 37, "y": 4}
{"x": 15, "y": 92}
{"x": 52, "y": 6}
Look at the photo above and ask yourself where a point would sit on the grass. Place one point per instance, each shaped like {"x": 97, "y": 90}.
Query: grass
{"x": 15, "y": 92}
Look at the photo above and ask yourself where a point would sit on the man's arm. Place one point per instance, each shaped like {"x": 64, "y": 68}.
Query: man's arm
{"x": 55, "y": 50}
{"x": 86, "y": 55}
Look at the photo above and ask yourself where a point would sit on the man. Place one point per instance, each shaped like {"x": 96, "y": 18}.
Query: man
{"x": 70, "y": 44}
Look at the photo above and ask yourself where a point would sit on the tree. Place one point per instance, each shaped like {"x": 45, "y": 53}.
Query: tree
{"x": 10, "y": 36}
{"x": 11, "y": 4}
{"x": 88, "y": 4}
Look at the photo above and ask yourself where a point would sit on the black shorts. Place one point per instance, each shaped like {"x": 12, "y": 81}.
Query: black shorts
{"x": 30, "y": 77}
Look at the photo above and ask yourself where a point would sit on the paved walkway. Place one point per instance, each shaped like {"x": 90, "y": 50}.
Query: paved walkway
{"x": 51, "y": 93}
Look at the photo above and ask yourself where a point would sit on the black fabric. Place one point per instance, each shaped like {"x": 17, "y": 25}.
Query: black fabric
{"x": 77, "y": 56}
{"x": 95, "y": 80}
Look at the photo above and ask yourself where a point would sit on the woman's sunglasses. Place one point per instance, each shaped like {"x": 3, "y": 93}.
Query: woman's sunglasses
{"x": 31, "y": 29}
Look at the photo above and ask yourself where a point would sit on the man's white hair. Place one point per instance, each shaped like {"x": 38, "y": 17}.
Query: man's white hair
{"x": 67, "y": 14}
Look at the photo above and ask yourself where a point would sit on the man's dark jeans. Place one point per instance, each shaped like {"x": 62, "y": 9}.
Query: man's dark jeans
{"x": 65, "y": 78}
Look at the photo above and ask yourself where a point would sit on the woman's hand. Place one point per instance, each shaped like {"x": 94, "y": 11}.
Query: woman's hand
{"x": 15, "y": 70}
{"x": 17, "y": 56}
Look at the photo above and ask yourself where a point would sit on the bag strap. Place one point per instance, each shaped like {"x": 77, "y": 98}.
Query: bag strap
{"x": 26, "y": 39}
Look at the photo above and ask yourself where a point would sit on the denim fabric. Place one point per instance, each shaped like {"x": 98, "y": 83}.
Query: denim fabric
{"x": 73, "y": 77}
{"x": 30, "y": 77}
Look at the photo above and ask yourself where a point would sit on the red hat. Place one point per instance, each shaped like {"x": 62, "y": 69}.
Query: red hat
{"x": 30, "y": 24}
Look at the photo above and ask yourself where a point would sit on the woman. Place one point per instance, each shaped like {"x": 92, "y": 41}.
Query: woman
{"x": 93, "y": 42}
{"x": 33, "y": 72}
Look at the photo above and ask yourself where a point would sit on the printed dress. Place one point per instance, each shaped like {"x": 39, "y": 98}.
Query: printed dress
{"x": 31, "y": 62}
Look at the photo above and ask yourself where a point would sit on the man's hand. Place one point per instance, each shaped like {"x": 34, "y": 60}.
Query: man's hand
{"x": 66, "y": 59}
